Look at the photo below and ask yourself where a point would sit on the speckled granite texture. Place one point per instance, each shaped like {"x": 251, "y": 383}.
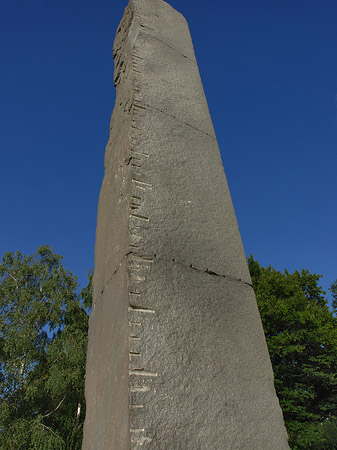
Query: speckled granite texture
{"x": 177, "y": 358}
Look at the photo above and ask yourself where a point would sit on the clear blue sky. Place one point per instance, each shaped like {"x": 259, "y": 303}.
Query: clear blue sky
{"x": 269, "y": 69}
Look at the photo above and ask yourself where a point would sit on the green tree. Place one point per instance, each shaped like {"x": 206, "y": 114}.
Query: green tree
{"x": 329, "y": 436}
{"x": 333, "y": 290}
{"x": 301, "y": 334}
{"x": 43, "y": 340}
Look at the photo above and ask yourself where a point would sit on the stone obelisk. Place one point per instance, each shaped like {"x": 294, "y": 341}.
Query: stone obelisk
{"x": 177, "y": 358}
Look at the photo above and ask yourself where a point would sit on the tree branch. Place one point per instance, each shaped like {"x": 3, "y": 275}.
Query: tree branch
{"x": 12, "y": 276}
{"x": 57, "y": 407}
{"x": 49, "y": 429}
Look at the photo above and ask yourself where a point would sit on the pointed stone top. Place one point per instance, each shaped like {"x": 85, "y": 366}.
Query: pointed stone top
{"x": 153, "y": 16}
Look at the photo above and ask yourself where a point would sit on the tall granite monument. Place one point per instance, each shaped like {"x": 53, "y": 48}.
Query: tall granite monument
{"x": 177, "y": 358}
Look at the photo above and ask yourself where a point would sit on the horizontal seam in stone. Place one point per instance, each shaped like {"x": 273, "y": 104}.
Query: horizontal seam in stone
{"x": 169, "y": 46}
{"x": 191, "y": 266}
{"x": 175, "y": 118}
{"x": 212, "y": 273}
{"x": 111, "y": 277}
{"x": 130, "y": 253}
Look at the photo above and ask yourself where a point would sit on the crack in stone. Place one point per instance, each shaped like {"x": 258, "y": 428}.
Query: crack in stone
{"x": 191, "y": 266}
{"x": 110, "y": 278}
{"x": 139, "y": 104}
{"x": 172, "y": 48}
{"x": 148, "y": 259}
{"x": 211, "y": 272}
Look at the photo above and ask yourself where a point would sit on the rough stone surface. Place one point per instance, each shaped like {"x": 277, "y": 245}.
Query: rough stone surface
{"x": 177, "y": 358}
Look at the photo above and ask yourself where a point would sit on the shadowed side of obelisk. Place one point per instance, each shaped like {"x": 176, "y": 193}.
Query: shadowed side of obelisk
{"x": 177, "y": 357}
{"x": 107, "y": 379}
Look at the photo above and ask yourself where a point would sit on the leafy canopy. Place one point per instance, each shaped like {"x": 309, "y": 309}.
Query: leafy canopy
{"x": 43, "y": 340}
{"x": 301, "y": 334}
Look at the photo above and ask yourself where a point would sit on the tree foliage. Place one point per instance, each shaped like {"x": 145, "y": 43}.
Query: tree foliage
{"x": 333, "y": 290}
{"x": 43, "y": 340}
{"x": 301, "y": 334}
